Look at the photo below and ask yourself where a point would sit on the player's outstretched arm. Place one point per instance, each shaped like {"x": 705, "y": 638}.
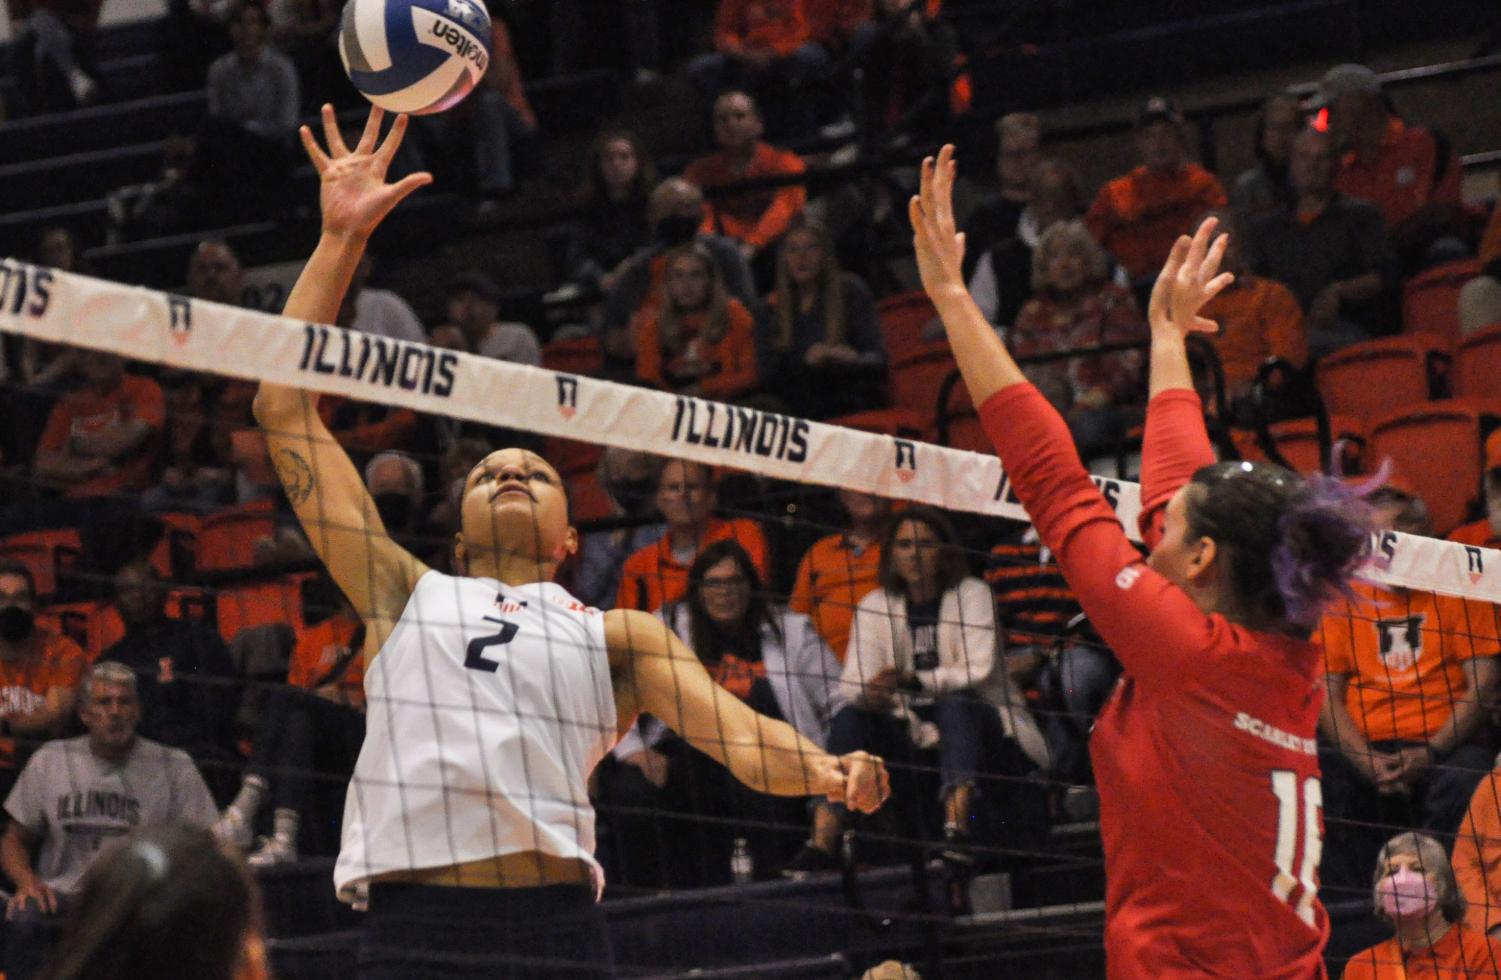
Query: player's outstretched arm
{"x": 983, "y": 360}
{"x": 655, "y": 671}
{"x": 325, "y": 489}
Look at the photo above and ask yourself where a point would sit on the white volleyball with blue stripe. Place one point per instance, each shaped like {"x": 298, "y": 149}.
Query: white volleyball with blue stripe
{"x": 416, "y": 56}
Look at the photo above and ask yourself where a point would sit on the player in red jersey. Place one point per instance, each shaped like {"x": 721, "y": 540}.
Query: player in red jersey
{"x": 1205, "y": 755}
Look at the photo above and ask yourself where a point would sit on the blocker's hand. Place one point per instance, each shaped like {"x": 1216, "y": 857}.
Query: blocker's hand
{"x": 939, "y": 246}
{"x": 1190, "y": 279}
{"x": 354, "y": 195}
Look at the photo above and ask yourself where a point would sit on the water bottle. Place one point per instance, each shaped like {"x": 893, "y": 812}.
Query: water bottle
{"x": 742, "y": 867}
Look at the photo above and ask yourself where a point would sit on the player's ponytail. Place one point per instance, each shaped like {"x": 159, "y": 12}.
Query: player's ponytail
{"x": 1292, "y": 544}
{"x": 1325, "y": 536}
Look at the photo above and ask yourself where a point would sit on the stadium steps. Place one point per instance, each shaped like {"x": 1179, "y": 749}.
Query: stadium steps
{"x": 100, "y": 127}
{"x": 75, "y": 177}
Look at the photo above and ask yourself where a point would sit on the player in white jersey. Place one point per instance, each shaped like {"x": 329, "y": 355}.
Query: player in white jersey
{"x": 492, "y": 695}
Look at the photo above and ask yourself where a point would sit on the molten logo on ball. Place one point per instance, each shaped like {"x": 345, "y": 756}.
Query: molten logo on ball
{"x": 417, "y": 56}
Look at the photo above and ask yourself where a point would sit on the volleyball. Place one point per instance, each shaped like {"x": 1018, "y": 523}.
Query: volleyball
{"x": 416, "y": 56}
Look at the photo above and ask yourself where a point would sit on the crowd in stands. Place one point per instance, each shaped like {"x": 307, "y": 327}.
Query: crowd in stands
{"x": 142, "y": 526}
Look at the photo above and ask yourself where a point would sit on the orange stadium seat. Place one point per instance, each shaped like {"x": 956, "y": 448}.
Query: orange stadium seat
{"x": 1477, "y": 364}
{"x": 903, "y": 318}
{"x": 1430, "y": 299}
{"x": 226, "y": 539}
{"x": 583, "y": 355}
{"x": 1298, "y": 442}
{"x": 917, "y": 379}
{"x": 886, "y": 421}
{"x": 587, "y": 498}
{"x": 277, "y": 600}
{"x": 1436, "y": 447}
{"x": 94, "y": 626}
{"x": 1378, "y": 376}
{"x": 47, "y": 553}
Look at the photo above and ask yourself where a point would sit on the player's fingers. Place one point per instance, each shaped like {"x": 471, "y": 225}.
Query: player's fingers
{"x": 1175, "y": 259}
{"x": 915, "y": 216}
{"x": 406, "y": 185}
{"x": 1203, "y": 324}
{"x": 1200, "y": 243}
{"x": 372, "y": 130}
{"x": 314, "y": 151}
{"x": 943, "y": 188}
{"x": 331, "y": 134}
{"x": 392, "y": 142}
{"x": 1215, "y": 286}
{"x": 1212, "y": 260}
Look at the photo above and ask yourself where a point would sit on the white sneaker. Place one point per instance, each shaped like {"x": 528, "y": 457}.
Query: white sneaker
{"x": 273, "y": 850}
{"x": 233, "y": 829}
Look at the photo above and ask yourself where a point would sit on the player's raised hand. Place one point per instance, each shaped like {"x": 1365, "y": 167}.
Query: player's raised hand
{"x": 354, "y": 195}
{"x": 939, "y": 246}
{"x": 1191, "y": 278}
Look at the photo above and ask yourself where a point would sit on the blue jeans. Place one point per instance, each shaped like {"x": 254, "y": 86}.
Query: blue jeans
{"x": 974, "y": 750}
{"x": 1073, "y": 690}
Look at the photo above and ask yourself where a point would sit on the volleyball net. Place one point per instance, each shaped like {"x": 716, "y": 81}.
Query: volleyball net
{"x": 1022, "y": 860}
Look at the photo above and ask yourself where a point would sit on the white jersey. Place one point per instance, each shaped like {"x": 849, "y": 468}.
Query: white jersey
{"x": 488, "y": 707}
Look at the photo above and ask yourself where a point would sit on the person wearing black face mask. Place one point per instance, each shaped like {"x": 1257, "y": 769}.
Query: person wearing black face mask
{"x": 397, "y": 486}
{"x": 676, "y": 213}
{"x": 39, "y": 670}
{"x": 630, "y": 481}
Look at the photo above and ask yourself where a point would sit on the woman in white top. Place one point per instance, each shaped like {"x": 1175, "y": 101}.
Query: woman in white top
{"x": 491, "y": 695}
{"x": 923, "y": 671}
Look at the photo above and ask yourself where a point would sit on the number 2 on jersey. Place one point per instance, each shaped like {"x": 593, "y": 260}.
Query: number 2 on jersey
{"x": 1289, "y": 804}
{"x": 474, "y": 654}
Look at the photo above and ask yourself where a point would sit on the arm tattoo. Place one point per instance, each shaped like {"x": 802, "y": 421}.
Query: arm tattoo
{"x": 296, "y": 475}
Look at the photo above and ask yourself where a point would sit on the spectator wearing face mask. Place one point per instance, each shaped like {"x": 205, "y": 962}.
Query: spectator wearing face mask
{"x": 399, "y": 490}
{"x": 1486, "y": 532}
{"x": 629, "y": 479}
{"x": 676, "y": 213}
{"x": 39, "y": 670}
{"x": 1416, "y": 892}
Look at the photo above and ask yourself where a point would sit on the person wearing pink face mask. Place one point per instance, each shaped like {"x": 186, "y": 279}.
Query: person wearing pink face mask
{"x": 1416, "y": 892}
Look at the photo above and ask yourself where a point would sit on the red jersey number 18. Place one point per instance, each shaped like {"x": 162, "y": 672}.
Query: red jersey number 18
{"x": 1290, "y": 806}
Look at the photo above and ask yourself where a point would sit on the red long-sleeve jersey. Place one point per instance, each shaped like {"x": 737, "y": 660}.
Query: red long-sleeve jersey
{"x": 1205, "y": 755}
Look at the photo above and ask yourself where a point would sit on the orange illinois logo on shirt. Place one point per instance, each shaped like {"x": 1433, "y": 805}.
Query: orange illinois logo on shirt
{"x": 1401, "y": 642}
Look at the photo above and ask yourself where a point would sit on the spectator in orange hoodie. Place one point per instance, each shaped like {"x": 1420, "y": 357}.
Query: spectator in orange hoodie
{"x": 1259, "y": 319}
{"x": 1486, "y": 532}
{"x": 765, "y": 45}
{"x": 697, "y": 340}
{"x": 756, "y": 218}
{"x": 1138, "y": 216}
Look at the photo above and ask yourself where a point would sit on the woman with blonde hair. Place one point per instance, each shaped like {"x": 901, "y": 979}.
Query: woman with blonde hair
{"x": 1076, "y": 306}
{"x": 821, "y": 348}
{"x": 1414, "y": 889}
{"x": 698, "y": 340}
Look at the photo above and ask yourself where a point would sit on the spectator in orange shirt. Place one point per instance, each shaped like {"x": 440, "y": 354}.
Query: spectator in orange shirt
{"x": 1409, "y": 675}
{"x": 39, "y": 671}
{"x": 1077, "y": 306}
{"x": 658, "y": 573}
{"x": 1486, "y": 532}
{"x": 310, "y": 733}
{"x": 1411, "y": 174}
{"x": 767, "y": 47}
{"x": 677, "y": 215}
{"x": 697, "y": 341}
{"x": 1259, "y": 319}
{"x": 1417, "y": 893}
{"x": 755, "y": 218}
{"x": 1137, "y": 217}
{"x": 102, "y": 438}
{"x": 1477, "y": 855}
{"x": 837, "y": 572}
